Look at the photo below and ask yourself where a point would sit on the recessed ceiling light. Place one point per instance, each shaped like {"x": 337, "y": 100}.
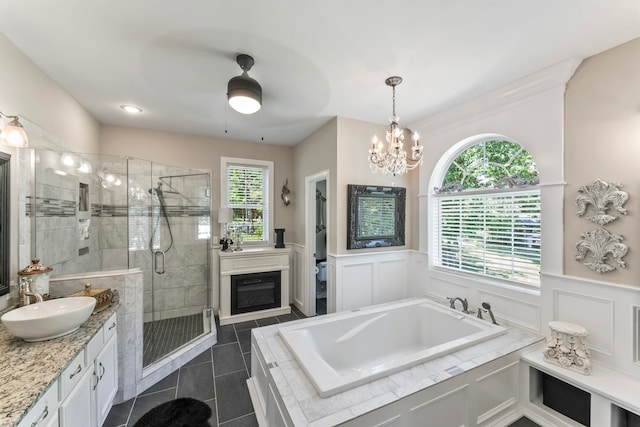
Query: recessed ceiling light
{"x": 131, "y": 109}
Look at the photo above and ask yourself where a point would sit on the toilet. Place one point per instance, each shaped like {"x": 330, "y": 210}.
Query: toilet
{"x": 321, "y": 271}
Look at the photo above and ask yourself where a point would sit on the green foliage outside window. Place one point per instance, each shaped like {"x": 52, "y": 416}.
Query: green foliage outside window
{"x": 246, "y": 193}
{"x": 483, "y": 164}
{"x": 494, "y": 233}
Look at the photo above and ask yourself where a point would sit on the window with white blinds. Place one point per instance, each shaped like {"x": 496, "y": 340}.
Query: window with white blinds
{"x": 493, "y": 233}
{"x": 248, "y": 197}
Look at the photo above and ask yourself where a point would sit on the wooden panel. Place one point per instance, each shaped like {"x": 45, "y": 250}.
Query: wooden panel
{"x": 515, "y": 310}
{"x": 448, "y": 410}
{"x": 497, "y": 391}
{"x": 593, "y": 313}
{"x": 300, "y": 285}
{"x": 356, "y": 286}
{"x": 391, "y": 280}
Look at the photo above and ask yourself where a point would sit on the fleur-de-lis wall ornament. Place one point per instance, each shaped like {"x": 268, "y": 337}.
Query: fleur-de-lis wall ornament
{"x": 600, "y": 243}
{"x": 600, "y": 194}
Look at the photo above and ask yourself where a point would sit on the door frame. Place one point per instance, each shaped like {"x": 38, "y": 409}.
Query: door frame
{"x": 310, "y": 238}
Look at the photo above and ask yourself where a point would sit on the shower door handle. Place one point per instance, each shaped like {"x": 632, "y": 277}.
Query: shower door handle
{"x": 159, "y": 255}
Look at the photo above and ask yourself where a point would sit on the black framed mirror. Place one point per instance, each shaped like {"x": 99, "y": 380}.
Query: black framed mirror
{"x": 5, "y": 215}
{"x": 375, "y": 216}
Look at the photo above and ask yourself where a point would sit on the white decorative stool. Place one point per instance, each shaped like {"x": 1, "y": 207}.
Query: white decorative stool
{"x": 567, "y": 346}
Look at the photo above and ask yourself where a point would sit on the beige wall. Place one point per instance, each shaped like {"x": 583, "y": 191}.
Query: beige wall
{"x": 354, "y": 141}
{"x": 200, "y": 152}
{"x": 315, "y": 154}
{"x": 602, "y": 140}
{"x": 341, "y": 147}
{"x": 27, "y": 91}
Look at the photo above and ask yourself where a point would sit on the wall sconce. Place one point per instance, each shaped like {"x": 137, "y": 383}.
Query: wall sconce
{"x": 13, "y": 134}
{"x": 285, "y": 194}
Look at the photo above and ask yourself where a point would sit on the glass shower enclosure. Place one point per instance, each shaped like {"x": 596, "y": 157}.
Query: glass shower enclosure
{"x": 95, "y": 213}
{"x": 169, "y": 230}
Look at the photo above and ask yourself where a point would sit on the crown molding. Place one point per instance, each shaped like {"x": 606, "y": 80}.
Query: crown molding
{"x": 545, "y": 80}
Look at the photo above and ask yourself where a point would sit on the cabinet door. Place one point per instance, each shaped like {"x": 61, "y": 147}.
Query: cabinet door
{"x": 43, "y": 412}
{"x": 76, "y": 409}
{"x": 106, "y": 370}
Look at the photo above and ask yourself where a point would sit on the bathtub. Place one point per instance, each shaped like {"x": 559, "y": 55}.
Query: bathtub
{"x": 344, "y": 350}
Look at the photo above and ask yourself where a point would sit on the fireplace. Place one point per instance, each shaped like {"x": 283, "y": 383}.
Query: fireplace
{"x": 260, "y": 284}
{"x": 255, "y": 291}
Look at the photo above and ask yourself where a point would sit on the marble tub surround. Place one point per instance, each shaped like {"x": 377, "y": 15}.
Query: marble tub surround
{"x": 305, "y": 407}
{"x": 28, "y": 369}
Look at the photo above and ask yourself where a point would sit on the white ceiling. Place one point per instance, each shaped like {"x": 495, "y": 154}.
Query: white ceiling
{"x": 314, "y": 60}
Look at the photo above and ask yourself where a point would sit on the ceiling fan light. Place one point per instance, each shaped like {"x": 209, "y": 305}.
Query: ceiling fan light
{"x": 244, "y": 94}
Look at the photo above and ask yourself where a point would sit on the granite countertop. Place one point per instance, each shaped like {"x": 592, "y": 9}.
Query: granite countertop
{"x": 27, "y": 369}
{"x": 306, "y": 407}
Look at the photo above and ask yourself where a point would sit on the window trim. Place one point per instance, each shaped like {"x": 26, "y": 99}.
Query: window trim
{"x": 224, "y": 163}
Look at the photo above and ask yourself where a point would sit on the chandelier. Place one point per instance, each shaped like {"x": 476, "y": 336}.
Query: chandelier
{"x": 393, "y": 160}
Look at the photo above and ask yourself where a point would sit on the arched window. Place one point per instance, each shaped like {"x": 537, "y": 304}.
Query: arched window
{"x": 487, "y": 213}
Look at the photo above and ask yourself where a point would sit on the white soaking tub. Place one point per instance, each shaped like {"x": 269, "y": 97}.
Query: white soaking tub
{"x": 348, "y": 349}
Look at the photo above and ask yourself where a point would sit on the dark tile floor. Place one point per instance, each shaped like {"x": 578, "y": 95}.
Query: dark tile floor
{"x": 217, "y": 376}
{"x": 523, "y": 422}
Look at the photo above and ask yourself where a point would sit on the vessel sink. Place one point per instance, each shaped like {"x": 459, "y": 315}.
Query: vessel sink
{"x": 48, "y": 319}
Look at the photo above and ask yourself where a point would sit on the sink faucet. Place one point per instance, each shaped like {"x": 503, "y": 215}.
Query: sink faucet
{"x": 26, "y": 294}
{"x": 487, "y": 308}
{"x": 465, "y": 304}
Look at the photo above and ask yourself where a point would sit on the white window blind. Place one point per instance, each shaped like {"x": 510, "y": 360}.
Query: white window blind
{"x": 494, "y": 234}
{"x": 247, "y": 196}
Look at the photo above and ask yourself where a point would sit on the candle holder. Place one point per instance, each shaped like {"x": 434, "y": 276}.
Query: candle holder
{"x": 279, "y": 238}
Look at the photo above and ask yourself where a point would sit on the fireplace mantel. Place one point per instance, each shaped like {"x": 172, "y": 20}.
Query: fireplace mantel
{"x": 253, "y": 261}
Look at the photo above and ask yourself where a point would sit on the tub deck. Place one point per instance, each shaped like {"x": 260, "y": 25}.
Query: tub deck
{"x": 302, "y": 405}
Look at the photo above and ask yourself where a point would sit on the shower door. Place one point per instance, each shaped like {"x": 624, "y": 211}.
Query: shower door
{"x": 175, "y": 260}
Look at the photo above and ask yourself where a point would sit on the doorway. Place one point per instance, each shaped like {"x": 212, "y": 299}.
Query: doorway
{"x": 317, "y": 208}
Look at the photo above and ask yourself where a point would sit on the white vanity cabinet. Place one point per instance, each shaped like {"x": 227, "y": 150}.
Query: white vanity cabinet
{"x": 83, "y": 393}
{"x": 106, "y": 374}
{"x": 76, "y": 408}
{"x": 45, "y": 411}
{"x": 102, "y": 357}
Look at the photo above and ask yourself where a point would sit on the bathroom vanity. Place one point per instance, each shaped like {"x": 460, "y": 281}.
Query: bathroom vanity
{"x": 67, "y": 381}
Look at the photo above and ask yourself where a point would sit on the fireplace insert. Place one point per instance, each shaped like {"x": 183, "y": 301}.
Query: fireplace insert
{"x": 255, "y": 291}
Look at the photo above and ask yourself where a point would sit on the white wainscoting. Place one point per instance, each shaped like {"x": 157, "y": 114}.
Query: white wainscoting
{"x": 606, "y": 310}
{"x": 369, "y": 278}
{"x": 507, "y": 303}
{"x": 299, "y": 289}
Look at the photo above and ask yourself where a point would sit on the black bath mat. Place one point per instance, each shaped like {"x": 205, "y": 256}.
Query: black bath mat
{"x": 183, "y": 412}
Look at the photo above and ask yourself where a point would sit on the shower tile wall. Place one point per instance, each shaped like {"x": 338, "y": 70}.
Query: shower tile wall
{"x": 58, "y": 221}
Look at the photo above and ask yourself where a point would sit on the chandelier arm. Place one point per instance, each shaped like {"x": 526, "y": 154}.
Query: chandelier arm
{"x": 393, "y": 159}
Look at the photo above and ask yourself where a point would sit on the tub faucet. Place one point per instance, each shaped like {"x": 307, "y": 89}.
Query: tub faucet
{"x": 26, "y": 294}
{"x": 465, "y": 304}
{"x": 487, "y": 307}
